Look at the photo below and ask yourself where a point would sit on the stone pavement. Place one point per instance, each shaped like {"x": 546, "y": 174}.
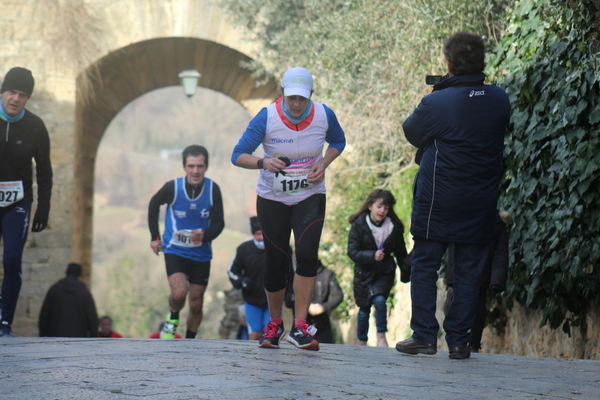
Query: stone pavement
{"x": 116, "y": 369}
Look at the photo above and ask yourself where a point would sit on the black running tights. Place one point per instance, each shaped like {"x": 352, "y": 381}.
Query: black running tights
{"x": 277, "y": 221}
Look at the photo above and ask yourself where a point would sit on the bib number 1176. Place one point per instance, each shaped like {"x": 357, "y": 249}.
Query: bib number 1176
{"x": 293, "y": 185}
{"x": 290, "y": 183}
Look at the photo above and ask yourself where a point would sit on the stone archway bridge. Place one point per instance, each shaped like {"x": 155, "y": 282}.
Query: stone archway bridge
{"x": 91, "y": 58}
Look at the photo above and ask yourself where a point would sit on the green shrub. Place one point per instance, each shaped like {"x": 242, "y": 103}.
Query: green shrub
{"x": 369, "y": 60}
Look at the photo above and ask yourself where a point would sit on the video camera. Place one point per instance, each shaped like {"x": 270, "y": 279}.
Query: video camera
{"x": 434, "y": 79}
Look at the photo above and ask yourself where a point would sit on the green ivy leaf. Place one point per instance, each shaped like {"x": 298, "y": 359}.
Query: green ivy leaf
{"x": 594, "y": 117}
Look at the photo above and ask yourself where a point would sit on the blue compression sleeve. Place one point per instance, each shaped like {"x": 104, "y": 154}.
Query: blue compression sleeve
{"x": 252, "y": 137}
{"x": 335, "y": 134}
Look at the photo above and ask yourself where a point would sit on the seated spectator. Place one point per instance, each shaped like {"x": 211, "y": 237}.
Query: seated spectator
{"x": 105, "y": 328}
{"x": 327, "y": 295}
{"x": 69, "y": 309}
{"x": 156, "y": 335}
{"x": 230, "y": 324}
{"x": 242, "y": 333}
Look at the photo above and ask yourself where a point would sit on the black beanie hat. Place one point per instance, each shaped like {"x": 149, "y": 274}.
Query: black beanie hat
{"x": 254, "y": 225}
{"x": 18, "y": 79}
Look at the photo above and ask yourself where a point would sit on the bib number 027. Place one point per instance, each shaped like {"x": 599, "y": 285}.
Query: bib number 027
{"x": 9, "y": 196}
{"x": 10, "y": 192}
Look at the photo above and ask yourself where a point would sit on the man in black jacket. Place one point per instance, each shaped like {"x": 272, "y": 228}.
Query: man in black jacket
{"x": 459, "y": 130}
{"x": 23, "y": 137}
{"x": 69, "y": 309}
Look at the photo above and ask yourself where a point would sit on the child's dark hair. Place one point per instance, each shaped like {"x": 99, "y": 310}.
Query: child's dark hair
{"x": 195, "y": 150}
{"x": 388, "y": 199}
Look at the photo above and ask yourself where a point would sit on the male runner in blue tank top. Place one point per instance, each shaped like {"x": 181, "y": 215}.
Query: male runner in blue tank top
{"x": 194, "y": 217}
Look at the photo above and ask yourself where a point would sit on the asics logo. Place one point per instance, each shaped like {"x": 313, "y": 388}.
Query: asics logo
{"x": 477, "y": 93}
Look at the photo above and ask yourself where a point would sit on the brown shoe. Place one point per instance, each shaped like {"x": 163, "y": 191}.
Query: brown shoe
{"x": 412, "y": 346}
{"x": 459, "y": 353}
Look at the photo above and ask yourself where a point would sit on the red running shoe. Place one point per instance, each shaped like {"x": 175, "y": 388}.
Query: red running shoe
{"x": 271, "y": 335}
{"x": 304, "y": 337}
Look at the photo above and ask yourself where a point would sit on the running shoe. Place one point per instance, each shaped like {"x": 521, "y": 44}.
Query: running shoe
{"x": 271, "y": 335}
{"x": 304, "y": 337}
{"x": 169, "y": 329}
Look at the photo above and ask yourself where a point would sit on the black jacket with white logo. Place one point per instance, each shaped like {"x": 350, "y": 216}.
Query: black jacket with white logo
{"x": 20, "y": 143}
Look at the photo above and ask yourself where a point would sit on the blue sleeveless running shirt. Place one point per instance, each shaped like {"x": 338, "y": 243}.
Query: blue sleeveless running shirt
{"x": 184, "y": 215}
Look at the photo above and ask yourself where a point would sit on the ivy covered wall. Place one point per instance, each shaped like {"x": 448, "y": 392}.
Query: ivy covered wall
{"x": 549, "y": 63}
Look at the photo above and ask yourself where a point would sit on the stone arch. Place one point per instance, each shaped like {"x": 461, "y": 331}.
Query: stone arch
{"x": 108, "y": 85}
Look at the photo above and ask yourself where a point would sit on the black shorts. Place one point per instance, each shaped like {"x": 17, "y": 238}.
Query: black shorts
{"x": 197, "y": 272}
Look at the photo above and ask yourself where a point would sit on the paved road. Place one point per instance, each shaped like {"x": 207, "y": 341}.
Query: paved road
{"x": 120, "y": 369}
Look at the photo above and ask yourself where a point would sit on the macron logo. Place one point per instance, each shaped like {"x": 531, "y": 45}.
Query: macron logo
{"x": 477, "y": 93}
{"x": 282, "y": 140}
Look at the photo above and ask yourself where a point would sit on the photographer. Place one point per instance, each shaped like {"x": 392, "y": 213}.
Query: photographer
{"x": 459, "y": 129}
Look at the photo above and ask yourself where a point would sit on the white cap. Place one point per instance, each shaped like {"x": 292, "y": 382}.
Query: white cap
{"x": 297, "y": 81}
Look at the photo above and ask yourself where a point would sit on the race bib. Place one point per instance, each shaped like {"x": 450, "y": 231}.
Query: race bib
{"x": 11, "y": 192}
{"x": 290, "y": 182}
{"x": 182, "y": 238}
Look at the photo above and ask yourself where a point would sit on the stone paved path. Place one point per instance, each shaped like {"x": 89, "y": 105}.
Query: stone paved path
{"x": 120, "y": 369}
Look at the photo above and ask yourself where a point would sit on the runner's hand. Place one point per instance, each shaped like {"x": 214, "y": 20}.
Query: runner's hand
{"x": 40, "y": 221}
{"x": 317, "y": 173}
{"x": 156, "y": 246}
{"x": 379, "y": 254}
{"x": 273, "y": 164}
{"x": 38, "y": 226}
{"x": 197, "y": 236}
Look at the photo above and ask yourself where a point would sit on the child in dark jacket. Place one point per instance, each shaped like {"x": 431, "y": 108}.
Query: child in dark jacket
{"x": 375, "y": 236}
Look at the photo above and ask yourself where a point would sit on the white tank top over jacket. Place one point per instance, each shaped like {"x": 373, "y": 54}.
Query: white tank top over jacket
{"x": 304, "y": 148}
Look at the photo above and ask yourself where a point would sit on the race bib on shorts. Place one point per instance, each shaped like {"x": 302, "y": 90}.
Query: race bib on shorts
{"x": 11, "y": 192}
{"x": 291, "y": 182}
{"x": 183, "y": 238}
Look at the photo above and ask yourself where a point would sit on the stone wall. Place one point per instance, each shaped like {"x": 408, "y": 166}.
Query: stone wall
{"x": 523, "y": 335}
{"x": 58, "y": 40}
